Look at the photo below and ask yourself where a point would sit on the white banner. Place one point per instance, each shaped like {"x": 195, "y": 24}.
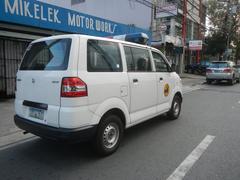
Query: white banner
{"x": 195, "y": 45}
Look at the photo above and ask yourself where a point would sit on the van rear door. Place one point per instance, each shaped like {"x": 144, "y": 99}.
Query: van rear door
{"x": 39, "y": 80}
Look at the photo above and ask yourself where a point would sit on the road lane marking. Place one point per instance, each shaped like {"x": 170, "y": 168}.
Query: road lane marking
{"x": 191, "y": 159}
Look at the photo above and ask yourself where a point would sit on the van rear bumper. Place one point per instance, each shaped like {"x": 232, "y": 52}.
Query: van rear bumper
{"x": 58, "y": 134}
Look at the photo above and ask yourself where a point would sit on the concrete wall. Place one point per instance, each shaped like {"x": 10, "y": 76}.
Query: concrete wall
{"x": 121, "y": 11}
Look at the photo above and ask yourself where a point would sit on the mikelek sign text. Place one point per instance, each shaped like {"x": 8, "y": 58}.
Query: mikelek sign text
{"x": 42, "y": 15}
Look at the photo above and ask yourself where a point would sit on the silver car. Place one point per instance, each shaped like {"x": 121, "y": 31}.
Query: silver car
{"x": 222, "y": 70}
{"x": 238, "y": 68}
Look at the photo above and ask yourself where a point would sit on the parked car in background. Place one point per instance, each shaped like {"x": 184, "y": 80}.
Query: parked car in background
{"x": 238, "y": 68}
{"x": 197, "y": 68}
{"x": 222, "y": 70}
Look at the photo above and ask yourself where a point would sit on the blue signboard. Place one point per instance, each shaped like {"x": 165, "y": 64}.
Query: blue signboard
{"x": 43, "y": 15}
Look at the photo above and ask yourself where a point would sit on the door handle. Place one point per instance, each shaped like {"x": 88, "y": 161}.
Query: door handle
{"x": 135, "y": 80}
{"x": 160, "y": 79}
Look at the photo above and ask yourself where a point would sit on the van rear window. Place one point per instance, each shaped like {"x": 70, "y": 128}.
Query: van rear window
{"x": 47, "y": 55}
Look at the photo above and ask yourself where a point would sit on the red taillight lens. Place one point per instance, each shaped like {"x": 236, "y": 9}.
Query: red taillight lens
{"x": 228, "y": 70}
{"x": 208, "y": 71}
{"x": 73, "y": 87}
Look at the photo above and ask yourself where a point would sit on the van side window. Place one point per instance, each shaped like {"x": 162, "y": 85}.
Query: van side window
{"x": 103, "y": 56}
{"x": 160, "y": 64}
{"x": 138, "y": 60}
{"x": 129, "y": 59}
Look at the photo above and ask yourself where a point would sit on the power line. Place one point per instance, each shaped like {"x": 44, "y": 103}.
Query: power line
{"x": 152, "y": 5}
{"x": 198, "y": 9}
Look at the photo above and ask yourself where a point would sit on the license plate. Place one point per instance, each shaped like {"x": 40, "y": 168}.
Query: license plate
{"x": 36, "y": 113}
{"x": 217, "y": 71}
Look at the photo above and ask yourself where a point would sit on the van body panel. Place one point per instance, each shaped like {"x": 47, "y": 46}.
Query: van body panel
{"x": 143, "y": 95}
{"x": 164, "y": 101}
{"x": 44, "y": 86}
{"x": 139, "y": 95}
{"x": 111, "y": 103}
{"x": 74, "y": 117}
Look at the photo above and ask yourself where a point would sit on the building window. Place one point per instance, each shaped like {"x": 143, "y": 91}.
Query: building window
{"x": 73, "y": 2}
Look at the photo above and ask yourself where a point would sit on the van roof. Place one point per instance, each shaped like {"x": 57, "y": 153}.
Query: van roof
{"x": 92, "y": 37}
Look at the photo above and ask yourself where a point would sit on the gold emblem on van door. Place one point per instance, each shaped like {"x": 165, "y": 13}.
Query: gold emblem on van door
{"x": 166, "y": 90}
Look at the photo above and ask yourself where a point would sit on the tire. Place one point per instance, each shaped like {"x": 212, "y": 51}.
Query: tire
{"x": 109, "y": 135}
{"x": 231, "y": 82}
{"x": 175, "y": 110}
{"x": 209, "y": 81}
{"x": 238, "y": 80}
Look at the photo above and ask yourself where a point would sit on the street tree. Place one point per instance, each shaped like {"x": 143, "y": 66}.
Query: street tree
{"x": 224, "y": 17}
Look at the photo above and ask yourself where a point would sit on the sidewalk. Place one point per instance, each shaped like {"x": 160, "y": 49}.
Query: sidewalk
{"x": 192, "y": 79}
{"x": 9, "y": 133}
{"x": 7, "y": 125}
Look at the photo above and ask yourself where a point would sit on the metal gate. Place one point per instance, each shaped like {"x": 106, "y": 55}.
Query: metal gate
{"x": 11, "y": 52}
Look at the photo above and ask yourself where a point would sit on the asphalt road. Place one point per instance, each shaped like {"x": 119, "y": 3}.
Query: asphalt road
{"x": 152, "y": 150}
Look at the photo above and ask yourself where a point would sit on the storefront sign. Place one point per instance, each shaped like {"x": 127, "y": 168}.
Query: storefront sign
{"x": 195, "y": 45}
{"x": 43, "y": 15}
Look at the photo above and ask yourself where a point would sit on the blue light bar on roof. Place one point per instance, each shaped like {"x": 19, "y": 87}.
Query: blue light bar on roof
{"x": 140, "y": 38}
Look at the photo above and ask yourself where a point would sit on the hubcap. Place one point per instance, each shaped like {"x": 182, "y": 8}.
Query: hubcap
{"x": 176, "y": 108}
{"x": 110, "y": 135}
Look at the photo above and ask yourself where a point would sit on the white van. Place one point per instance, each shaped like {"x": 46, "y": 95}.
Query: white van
{"x": 77, "y": 87}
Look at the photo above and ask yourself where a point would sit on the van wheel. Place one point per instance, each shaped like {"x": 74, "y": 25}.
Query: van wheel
{"x": 175, "y": 108}
{"x": 208, "y": 81}
{"x": 109, "y": 135}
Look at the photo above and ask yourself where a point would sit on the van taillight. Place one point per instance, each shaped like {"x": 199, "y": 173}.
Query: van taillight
{"x": 227, "y": 70}
{"x": 73, "y": 87}
{"x": 208, "y": 71}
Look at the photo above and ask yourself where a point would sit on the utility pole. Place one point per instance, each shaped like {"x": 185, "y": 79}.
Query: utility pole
{"x": 153, "y": 8}
{"x": 184, "y": 33}
{"x": 199, "y": 29}
{"x": 228, "y": 27}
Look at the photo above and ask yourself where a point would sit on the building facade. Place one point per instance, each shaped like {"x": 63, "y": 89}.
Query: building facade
{"x": 168, "y": 28}
{"x": 22, "y": 21}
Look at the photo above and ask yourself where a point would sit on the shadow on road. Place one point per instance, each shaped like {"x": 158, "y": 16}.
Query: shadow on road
{"x": 38, "y": 158}
{"x": 220, "y": 83}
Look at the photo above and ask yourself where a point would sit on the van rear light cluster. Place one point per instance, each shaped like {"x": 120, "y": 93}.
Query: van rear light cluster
{"x": 208, "y": 71}
{"x": 227, "y": 70}
{"x": 73, "y": 87}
